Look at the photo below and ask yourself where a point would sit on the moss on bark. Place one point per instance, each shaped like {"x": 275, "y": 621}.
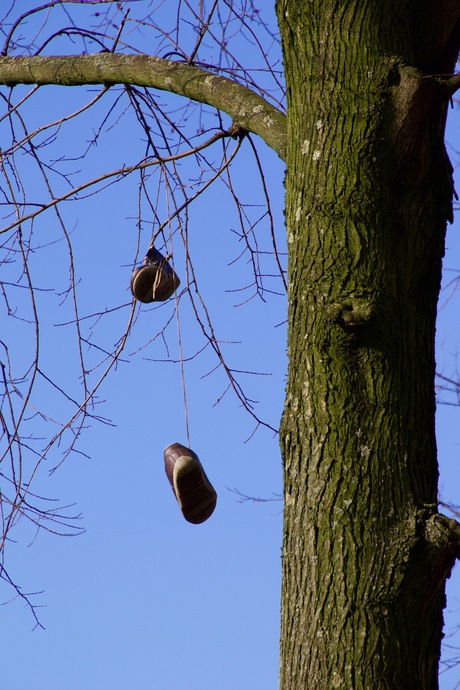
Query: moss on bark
{"x": 368, "y": 193}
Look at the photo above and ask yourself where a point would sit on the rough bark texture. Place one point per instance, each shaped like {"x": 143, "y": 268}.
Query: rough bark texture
{"x": 368, "y": 193}
{"x": 246, "y": 108}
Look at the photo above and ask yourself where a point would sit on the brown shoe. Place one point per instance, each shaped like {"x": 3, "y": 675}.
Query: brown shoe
{"x": 155, "y": 281}
{"x": 194, "y": 492}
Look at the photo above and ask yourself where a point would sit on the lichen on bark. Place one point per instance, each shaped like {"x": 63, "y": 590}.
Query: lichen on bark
{"x": 368, "y": 193}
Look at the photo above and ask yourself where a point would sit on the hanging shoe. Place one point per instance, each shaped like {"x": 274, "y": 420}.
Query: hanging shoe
{"x": 193, "y": 490}
{"x": 155, "y": 281}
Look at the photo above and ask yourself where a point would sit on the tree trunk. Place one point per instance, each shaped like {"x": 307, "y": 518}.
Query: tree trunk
{"x": 368, "y": 193}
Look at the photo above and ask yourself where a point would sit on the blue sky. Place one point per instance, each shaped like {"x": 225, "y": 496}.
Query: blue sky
{"x": 142, "y": 598}
{"x": 448, "y": 436}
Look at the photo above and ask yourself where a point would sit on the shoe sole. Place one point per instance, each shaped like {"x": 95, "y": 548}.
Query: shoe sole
{"x": 193, "y": 490}
{"x": 153, "y": 284}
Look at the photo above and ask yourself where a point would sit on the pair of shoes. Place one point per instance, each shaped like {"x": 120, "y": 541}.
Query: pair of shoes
{"x": 193, "y": 490}
{"x": 155, "y": 281}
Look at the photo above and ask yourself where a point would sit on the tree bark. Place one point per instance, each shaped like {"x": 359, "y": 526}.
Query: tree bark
{"x": 368, "y": 193}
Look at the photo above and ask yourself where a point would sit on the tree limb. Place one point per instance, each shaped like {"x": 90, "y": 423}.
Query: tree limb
{"x": 245, "y": 107}
{"x": 452, "y": 84}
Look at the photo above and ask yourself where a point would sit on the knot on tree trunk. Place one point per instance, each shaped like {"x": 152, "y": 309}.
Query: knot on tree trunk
{"x": 442, "y": 538}
{"x": 357, "y": 313}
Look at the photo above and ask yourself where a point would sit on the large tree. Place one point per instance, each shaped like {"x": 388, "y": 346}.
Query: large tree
{"x": 368, "y": 195}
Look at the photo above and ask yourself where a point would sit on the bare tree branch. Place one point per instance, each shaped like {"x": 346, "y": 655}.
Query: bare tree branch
{"x": 165, "y": 155}
{"x": 246, "y": 108}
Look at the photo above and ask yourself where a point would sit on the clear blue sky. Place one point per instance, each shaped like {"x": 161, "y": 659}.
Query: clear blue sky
{"x": 448, "y": 415}
{"x": 143, "y": 599}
